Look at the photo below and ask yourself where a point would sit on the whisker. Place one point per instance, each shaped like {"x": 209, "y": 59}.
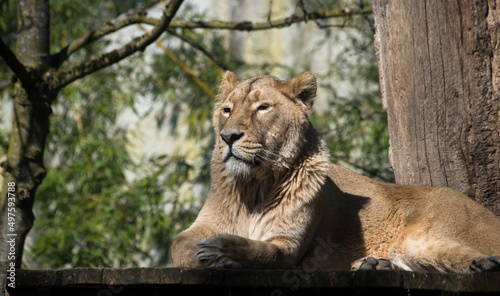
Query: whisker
{"x": 263, "y": 161}
{"x": 269, "y": 155}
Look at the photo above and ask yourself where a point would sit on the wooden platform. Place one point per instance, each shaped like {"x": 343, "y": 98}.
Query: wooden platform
{"x": 174, "y": 281}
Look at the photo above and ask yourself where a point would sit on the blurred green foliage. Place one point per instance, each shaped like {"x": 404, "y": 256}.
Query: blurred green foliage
{"x": 88, "y": 213}
{"x": 89, "y": 210}
{"x": 355, "y": 124}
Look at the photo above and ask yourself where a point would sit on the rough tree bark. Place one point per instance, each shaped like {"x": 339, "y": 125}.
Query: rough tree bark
{"x": 30, "y": 126}
{"x": 440, "y": 79}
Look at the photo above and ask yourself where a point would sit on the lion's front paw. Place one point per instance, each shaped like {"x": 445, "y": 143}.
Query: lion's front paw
{"x": 485, "y": 264}
{"x": 219, "y": 251}
{"x": 371, "y": 263}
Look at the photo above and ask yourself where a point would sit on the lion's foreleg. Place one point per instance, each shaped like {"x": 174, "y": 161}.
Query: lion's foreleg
{"x": 185, "y": 246}
{"x": 228, "y": 251}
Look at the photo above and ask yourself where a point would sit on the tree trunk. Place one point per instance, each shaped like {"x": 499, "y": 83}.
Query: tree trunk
{"x": 440, "y": 77}
{"x": 24, "y": 169}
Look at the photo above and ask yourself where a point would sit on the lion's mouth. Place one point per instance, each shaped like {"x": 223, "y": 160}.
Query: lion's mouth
{"x": 253, "y": 162}
{"x": 236, "y": 165}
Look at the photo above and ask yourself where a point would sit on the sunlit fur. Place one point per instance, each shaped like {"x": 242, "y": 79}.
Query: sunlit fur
{"x": 275, "y": 201}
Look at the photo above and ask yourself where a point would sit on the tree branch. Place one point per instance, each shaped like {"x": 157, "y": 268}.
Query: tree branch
{"x": 198, "y": 46}
{"x": 269, "y": 24}
{"x": 184, "y": 67}
{"x": 15, "y": 65}
{"x": 304, "y": 11}
{"x": 140, "y": 17}
{"x": 90, "y": 37}
{"x": 269, "y": 14}
{"x": 59, "y": 80}
{"x": 110, "y": 27}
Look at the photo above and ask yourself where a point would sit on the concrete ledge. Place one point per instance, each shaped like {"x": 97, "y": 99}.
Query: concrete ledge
{"x": 174, "y": 281}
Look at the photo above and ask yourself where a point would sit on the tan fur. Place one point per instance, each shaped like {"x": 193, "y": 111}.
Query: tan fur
{"x": 276, "y": 201}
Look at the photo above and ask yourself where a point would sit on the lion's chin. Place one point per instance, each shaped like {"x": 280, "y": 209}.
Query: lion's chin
{"x": 237, "y": 168}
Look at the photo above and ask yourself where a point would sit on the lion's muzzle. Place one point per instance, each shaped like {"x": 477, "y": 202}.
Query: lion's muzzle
{"x": 230, "y": 136}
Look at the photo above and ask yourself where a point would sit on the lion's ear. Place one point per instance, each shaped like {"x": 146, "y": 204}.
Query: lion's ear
{"x": 304, "y": 88}
{"x": 229, "y": 82}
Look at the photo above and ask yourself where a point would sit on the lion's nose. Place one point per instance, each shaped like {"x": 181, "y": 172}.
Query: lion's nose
{"x": 230, "y": 136}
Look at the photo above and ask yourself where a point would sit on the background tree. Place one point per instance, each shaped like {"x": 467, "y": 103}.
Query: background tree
{"x": 89, "y": 213}
{"x": 37, "y": 83}
{"x": 440, "y": 82}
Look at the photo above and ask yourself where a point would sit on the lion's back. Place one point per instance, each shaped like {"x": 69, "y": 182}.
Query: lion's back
{"x": 383, "y": 215}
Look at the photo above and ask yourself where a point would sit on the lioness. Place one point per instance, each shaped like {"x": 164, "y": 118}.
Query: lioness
{"x": 276, "y": 201}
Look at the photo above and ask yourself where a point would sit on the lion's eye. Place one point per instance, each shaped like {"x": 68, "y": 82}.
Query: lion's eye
{"x": 226, "y": 110}
{"x": 263, "y": 107}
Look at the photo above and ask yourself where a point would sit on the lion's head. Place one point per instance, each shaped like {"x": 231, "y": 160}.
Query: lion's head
{"x": 260, "y": 123}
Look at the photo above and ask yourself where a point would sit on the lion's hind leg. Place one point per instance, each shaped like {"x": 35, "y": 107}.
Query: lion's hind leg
{"x": 485, "y": 264}
{"x": 428, "y": 253}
